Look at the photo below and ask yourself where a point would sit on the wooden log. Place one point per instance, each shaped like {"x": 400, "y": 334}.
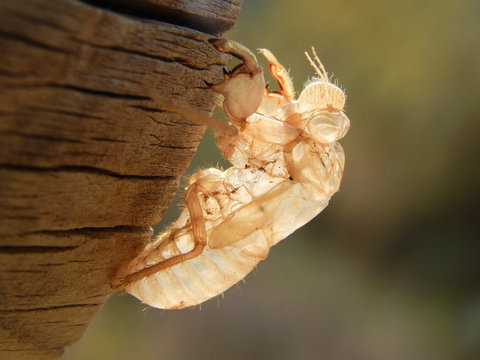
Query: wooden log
{"x": 88, "y": 159}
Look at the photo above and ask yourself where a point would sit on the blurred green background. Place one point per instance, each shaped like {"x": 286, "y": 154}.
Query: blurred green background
{"x": 391, "y": 269}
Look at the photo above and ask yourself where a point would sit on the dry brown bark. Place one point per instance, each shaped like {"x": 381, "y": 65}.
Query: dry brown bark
{"x": 88, "y": 160}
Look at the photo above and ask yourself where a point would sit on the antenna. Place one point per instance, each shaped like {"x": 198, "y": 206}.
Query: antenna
{"x": 319, "y": 69}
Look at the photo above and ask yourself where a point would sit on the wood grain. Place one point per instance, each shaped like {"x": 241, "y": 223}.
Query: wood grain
{"x": 88, "y": 159}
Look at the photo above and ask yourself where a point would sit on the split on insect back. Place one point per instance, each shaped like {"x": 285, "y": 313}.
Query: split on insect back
{"x": 286, "y": 165}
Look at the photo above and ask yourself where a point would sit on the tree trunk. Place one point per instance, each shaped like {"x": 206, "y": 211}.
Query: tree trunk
{"x": 88, "y": 160}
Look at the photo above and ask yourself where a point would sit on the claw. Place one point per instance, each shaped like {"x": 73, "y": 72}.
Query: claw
{"x": 280, "y": 74}
{"x": 243, "y": 88}
{"x": 250, "y": 63}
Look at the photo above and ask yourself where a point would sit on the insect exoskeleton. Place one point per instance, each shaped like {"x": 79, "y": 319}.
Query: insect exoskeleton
{"x": 286, "y": 166}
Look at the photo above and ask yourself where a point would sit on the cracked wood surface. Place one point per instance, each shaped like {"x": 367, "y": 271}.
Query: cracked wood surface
{"x": 88, "y": 160}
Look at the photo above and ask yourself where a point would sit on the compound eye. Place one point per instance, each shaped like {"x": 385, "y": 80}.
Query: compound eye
{"x": 328, "y": 127}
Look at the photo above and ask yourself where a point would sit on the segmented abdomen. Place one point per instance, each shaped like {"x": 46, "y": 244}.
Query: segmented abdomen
{"x": 196, "y": 280}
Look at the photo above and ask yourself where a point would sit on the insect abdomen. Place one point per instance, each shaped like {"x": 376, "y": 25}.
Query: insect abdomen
{"x": 194, "y": 281}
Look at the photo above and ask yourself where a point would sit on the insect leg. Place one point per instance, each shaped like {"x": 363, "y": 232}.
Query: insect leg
{"x": 281, "y": 75}
{"x": 198, "y": 117}
{"x": 243, "y": 88}
{"x": 200, "y": 241}
{"x": 227, "y": 135}
{"x": 249, "y": 65}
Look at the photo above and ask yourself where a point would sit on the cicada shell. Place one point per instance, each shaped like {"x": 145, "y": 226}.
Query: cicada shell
{"x": 286, "y": 165}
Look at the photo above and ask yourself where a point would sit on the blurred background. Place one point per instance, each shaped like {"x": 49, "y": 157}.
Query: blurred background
{"x": 391, "y": 268}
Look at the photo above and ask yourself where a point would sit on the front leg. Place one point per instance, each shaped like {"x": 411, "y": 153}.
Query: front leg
{"x": 243, "y": 88}
{"x": 287, "y": 92}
